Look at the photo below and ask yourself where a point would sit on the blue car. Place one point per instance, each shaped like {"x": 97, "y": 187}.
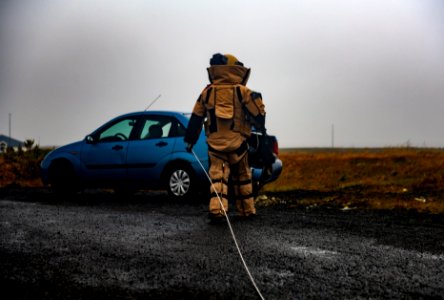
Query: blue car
{"x": 141, "y": 150}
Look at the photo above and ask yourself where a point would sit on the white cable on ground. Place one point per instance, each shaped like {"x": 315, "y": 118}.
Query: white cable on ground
{"x": 231, "y": 229}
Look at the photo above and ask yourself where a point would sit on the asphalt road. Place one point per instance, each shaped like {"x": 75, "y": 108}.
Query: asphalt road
{"x": 99, "y": 246}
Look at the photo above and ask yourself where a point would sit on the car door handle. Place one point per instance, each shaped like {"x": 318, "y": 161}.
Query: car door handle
{"x": 117, "y": 147}
{"x": 161, "y": 144}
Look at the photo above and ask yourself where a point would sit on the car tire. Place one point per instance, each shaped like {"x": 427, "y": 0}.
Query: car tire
{"x": 180, "y": 181}
{"x": 62, "y": 178}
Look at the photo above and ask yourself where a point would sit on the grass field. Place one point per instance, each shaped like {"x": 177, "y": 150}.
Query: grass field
{"x": 384, "y": 178}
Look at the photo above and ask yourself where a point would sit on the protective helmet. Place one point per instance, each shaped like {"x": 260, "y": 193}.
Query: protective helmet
{"x": 232, "y": 60}
{"x": 227, "y": 59}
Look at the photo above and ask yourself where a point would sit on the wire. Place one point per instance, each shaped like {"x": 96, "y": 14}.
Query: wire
{"x": 231, "y": 229}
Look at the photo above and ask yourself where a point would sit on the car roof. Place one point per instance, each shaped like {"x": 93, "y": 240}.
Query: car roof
{"x": 154, "y": 112}
{"x": 178, "y": 114}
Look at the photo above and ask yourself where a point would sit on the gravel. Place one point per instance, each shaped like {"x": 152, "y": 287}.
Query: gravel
{"x": 100, "y": 246}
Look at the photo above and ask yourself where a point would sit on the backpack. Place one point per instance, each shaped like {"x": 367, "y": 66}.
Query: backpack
{"x": 224, "y": 105}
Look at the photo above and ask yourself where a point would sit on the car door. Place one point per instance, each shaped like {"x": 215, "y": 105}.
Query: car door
{"x": 150, "y": 150}
{"x": 104, "y": 152}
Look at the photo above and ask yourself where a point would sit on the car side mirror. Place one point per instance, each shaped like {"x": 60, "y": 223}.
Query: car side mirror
{"x": 90, "y": 139}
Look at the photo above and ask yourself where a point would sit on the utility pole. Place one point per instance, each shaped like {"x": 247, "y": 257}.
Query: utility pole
{"x": 10, "y": 117}
{"x": 332, "y": 135}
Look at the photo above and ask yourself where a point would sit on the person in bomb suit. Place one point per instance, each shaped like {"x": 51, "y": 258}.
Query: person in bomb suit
{"x": 229, "y": 109}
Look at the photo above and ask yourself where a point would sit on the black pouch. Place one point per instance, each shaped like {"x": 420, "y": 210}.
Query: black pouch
{"x": 261, "y": 151}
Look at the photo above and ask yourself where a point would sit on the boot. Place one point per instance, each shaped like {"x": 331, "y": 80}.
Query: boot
{"x": 216, "y": 209}
{"x": 245, "y": 208}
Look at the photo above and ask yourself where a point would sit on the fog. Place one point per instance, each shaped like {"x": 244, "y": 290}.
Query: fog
{"x": 373, "y": 69}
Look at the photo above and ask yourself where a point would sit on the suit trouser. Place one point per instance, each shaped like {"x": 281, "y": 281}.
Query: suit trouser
{"x": 221, "y": 166}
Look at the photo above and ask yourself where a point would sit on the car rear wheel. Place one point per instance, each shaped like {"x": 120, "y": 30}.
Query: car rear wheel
{"x": 180, "y": 181}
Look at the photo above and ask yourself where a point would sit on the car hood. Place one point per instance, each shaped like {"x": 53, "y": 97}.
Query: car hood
{"x": 72, "y": 148}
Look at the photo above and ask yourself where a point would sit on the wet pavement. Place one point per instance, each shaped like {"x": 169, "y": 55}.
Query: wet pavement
{"x": 99, "y": 246}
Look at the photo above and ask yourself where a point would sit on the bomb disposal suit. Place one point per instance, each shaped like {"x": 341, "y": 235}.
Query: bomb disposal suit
{"x": 229, "y": 109}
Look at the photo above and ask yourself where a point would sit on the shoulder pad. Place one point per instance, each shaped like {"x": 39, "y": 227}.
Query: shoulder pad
{"x": 206, "y": 88}
{"x": 256, "y": 95}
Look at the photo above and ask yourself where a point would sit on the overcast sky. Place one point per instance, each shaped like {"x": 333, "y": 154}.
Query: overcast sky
{"x": 373, "y": 68}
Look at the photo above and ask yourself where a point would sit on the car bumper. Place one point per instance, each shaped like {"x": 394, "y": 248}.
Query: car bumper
{"x": 264, "y": 176}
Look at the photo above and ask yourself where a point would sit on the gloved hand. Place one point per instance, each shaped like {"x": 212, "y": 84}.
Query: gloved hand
{"x": 188, "y": 147}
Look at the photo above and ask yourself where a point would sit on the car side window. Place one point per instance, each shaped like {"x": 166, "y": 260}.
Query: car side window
{"x": 179, "y": 129}
{"x": 156, "y": 127}
{"x": 120, "y": 131}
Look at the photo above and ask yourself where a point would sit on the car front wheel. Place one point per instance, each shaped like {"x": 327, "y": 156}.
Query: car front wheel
{"x": 62, "y": 178}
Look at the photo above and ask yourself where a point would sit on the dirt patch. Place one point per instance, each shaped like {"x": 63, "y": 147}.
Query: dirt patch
{"x": 399, "y": 174}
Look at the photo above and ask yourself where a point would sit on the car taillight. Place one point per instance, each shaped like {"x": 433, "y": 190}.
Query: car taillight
{"x": 275, "y": 148}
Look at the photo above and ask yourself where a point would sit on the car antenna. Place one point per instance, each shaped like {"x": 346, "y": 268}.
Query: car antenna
{"x": 152, "y": 102}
